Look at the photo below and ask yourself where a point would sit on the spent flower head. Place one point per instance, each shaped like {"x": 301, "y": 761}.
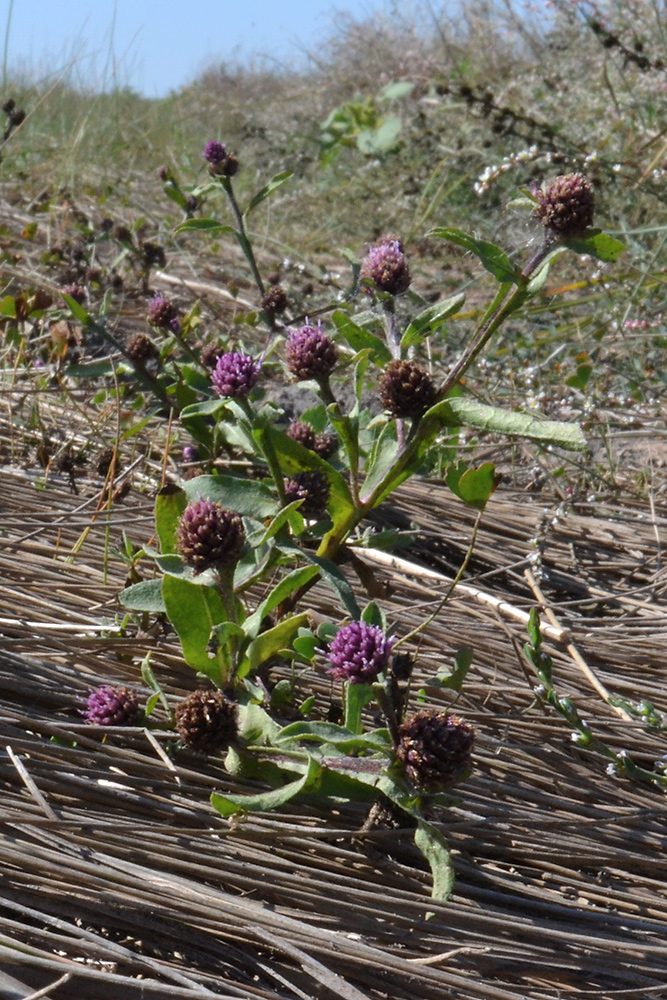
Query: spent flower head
{"x": 359, "y": 652}
{"x": 310, "y": 353}
{"x": 206, "y": 721}
{"x": 302, "y": 433}
{"x": 208, "y": 536}
{"x": 566, "y": 205}
{"x": 313, "y": 488}
{"x": 406, "y": 389}
{"x": 385, "y": 265}
{"x": 235, "y": 374}
{"x": 435, "y": 749}
{"x": 161, "y": 312}
{"x": 112, "y": 706}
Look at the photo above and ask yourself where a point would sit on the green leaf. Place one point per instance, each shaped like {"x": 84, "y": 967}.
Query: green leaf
{"x": 580, "y": 378}
{"x": 333, "y": 577}
{"x": 245, "y": 496}
{"x": 596, "y": 244}
{"x": 430, "y": 320}
{"x": 176, "y": 195}
{"x": 151, "y": 681}
{"x": 204, "y": 226}
{"x": 8, "y": 307}
{"x": 435, "y": 849}
{"x": 492, "y": 257}
{"x": 383, "y": 139}
{"x": 228, "y": 805}
{"x": 144, "y": 596}
{"x": 343, "y": 739}
{"x": 77, "y": 310}
{"x": 267, "y": 190}
{"x": 455, "y": 411}
{"x": 374, "y": 615}
{"x": 453, "y": 679}
{"x": 271, "y": 642}
{"x": 91, "y": 369}
{"x": 360, "y": 339}
{"x": 193, "y": 611}
{"x": 473, "y": 486}
{"x": 306, "y": 646}
{"x": 209, "y": 407}
{"x": 297, "y": 578}
{"x": 395, "y": 90}
{"x": 357, "y": 696}
{"x": 170, "y": 503}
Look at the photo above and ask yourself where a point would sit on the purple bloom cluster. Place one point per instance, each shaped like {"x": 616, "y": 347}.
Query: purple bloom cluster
{"x": 162, "y": 313}
{"x": 310, "y": 353}
{"x": 215, "y": 152}
{"x": 209, "y": 536}
{"x": 359, "y": 652}
{"x": 112, "y": 706}
{"x": 235, "y": 374}
{"x": 386, "y": 266}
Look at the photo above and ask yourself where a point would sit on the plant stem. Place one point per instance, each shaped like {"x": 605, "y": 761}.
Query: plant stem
{"x": 242, "y": 233}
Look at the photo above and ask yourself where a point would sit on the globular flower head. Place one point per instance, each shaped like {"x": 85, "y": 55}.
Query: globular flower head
{"x": 206, "y": 721}
{"x": 141, "y": 349}
{"x": 75, "y": 292}
{"x": 191, "y": 453}
{"x": 359, "y": 652}
{"x": 220, "y": 162}
{"x": 385, "y": 265}
{"x": 303, "y": 433}
{"x": 275, "y": 300}
{"x": 311, "y": 487}
{"x": 406, "y": 390}
{"x": 435, "y": 749}
{"x": 208, "y": 536}
{"x": 112, "y": 706}
{"x": 161, "y": 312}
{"x": 310, "y": 353}
{"x": 325, "y": 445}
{"x": 153, "y": 254}
{"x": 215, "y": 152}
{"x": 235, "y": 374}
{"x": 566, "y": 205}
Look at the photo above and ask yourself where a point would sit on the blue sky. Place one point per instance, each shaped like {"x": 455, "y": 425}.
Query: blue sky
{"x": 155, "y": 46}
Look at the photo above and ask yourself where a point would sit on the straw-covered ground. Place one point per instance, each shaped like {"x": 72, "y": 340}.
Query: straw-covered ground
{"x": 120, "y": 880}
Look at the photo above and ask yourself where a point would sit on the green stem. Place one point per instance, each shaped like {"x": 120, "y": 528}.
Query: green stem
{"x": 350, "y": 443}
{"x": 268, "y": 451}
{"x": 243, "y": 239}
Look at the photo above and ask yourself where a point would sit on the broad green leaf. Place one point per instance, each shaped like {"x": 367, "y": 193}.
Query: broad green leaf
{"x": 395, "y": 90}
{"x": 435, "y": 849}
{"x": 430, "y": 320}
{"x": 8, "y": 306}
{"x": 360, "y": 339}
{"x": 306, "y": 646}
{"x": 77, "y": 310}
{"x": 204, "y": 226}
{"x": 193, "y": 611}
{"x": 228, "y": 805}
{"x": 267, "y": 190}
{"x": 596, "y": 244}
{"x": 256, "y": 727}
{"x": 91, "y": 369}
{"x": 473, "y": 486}
{"x": 374, "y": 615}
{"x": 245, "y": 496}
{"x": 580, "y": 378}
{"x": 462, "y": 410}
{"x": 343, "y": 739}
{"x": 209, "y": 407}
{"x": 271, "y": 642}
{"x": 176, "y": 195}
{"x": 297, "y": 578}
{"x": 492, "y": 257}
{"x": 144, "y": 596}
{"x": 383, "y": 139}
{"x": 170, "y": 503}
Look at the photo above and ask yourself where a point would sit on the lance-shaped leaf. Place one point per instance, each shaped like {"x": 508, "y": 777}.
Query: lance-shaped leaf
{"x": 245, "y": 496}
{"x": 435, "y": 849}
{"x": 144, "y": 596}
{"x": 455, "y": 411}
{"x": 297, "y": 578}
{"x": 268, "y": 190}
{"x": 170, "y": 503}
{"x": 596, "y": 244}
{"x": 194, "y": 611}
{"x": 271, "y": 642}
{"x": 360, "y": 339}
{"x": 338, "y": 736}
{"x": 204, "y": 226}
{"x": 430, "y": 320}
{"x": 492, "y": 257}
{"x": 228, "y": 805}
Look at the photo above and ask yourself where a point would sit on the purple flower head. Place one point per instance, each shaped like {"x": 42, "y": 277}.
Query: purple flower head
{"x": 112, "y": 706}
{"x": 359, "y": 652}
{"x": 208, "y": 536}
{"x": 215, "y": 152}
{"x": 161, "y": 312}
{"x": 191, "y": 453}
{"x": 386, "y": 266}
{"x": 235, "y": 374}
{"x": 310, "y": 353}
{"x": 313, "y": 488}
{"x": 566, "y": 205}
